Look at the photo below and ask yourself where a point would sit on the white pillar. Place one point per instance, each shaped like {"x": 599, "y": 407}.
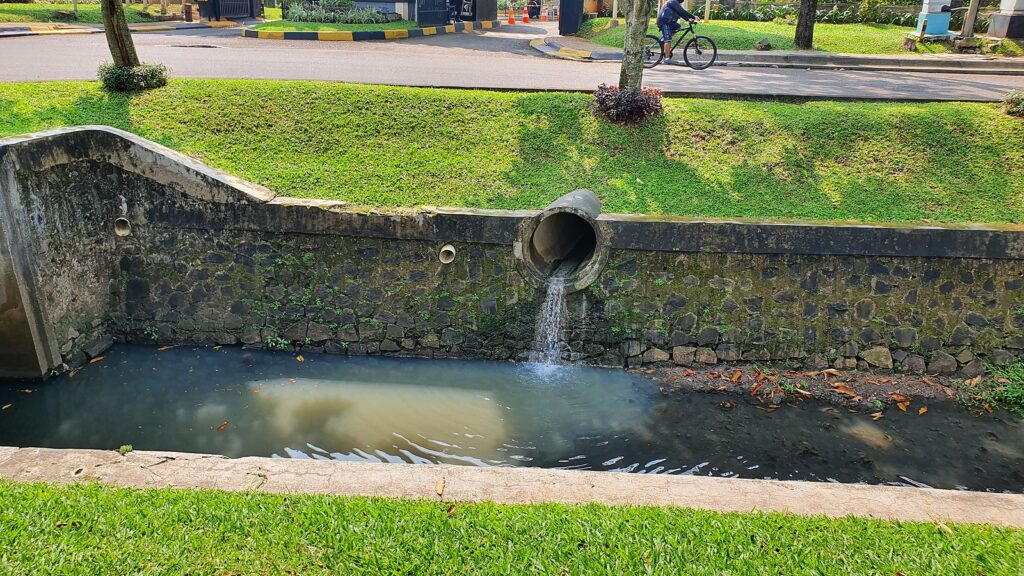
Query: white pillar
{"x": 1009, "y": 21}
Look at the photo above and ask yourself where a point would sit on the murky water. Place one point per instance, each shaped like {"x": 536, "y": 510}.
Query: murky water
{"x": 238, "y": 403}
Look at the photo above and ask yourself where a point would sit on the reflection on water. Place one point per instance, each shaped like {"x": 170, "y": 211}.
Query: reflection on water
{"x": 238, "y": 403}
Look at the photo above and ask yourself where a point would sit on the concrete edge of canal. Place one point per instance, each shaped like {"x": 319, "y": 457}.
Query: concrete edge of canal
{"x": 143, "y": 469}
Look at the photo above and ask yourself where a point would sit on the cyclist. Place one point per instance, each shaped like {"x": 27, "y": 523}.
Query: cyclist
{"x": 668, "y": 23}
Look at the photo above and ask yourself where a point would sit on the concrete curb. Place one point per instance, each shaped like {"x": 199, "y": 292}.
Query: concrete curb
{"x": 371, "y": 34}
{"x": 507, "y": 485}
{"x": 552, "y": 46}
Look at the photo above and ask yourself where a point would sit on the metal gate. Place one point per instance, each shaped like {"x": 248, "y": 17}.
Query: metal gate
{"x": 235, "y": 8}
{"x": 431, "y": 12}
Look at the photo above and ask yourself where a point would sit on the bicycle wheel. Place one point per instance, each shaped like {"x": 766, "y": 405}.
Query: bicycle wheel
{"x": 700, "y": 52}
{"x": 652, "y": 52}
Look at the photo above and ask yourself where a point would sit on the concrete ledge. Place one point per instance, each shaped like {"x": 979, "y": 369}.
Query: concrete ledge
{"x": 340, "y": 35}
{"x": 507, "y": 485}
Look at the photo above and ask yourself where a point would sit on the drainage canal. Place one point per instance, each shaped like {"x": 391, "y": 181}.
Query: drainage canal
{"x": 238, "y": 403}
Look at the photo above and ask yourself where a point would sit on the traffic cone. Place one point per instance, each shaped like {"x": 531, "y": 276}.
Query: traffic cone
{"x": 543, "y": 15}
{"x": 526, "y": 16}
{"x": 511, "y": 16}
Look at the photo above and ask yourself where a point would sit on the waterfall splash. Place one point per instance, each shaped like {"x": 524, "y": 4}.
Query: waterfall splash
{"x": 547, "y": 340}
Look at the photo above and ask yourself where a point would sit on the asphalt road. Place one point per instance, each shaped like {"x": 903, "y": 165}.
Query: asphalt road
{"x": 494, "y": 59}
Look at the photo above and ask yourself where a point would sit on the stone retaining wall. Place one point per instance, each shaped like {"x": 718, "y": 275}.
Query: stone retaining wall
{"x": 212, "y": 260}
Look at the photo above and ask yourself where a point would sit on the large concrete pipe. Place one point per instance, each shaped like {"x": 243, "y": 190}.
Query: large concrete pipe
{"x": 565, "y": 240}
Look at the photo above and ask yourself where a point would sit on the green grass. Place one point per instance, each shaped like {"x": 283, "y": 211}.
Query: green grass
{"x": 398, "y": 147}
{"x": 92, "y": 529}
{"x": 87, "y": 13}
{"x": 288, "y": 25}
{"x": 1002, "y": 387}
{"x": 838, "y": 38}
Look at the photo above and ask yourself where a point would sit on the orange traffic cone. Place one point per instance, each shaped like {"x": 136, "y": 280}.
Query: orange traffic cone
{"x": 511, "y": 16}
{"x": 544, "y": 16}
{"x": 526, "y": 16}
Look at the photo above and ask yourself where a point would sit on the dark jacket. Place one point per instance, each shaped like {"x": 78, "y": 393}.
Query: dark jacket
{"x": 672, "y": 12}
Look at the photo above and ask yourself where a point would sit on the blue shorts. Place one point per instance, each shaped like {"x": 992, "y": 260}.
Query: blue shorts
{"x": 667, "y": 30}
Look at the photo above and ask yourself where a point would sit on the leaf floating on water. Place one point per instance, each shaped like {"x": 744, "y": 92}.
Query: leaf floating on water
{"x": 26, "y": 390}
{"x": 217, "y": 347}
{"x": 902, "y": 401}
{"x": 439, "y": 486}
{"x": 922, "y": 410}
{"x": 223, "y": 426}
{"x": 6, "y": 406}
{"x": 878, "y": 416}
{"x": 300, "y": 358}
{"x": 162, "y": 348}
{"x": 96, "y": 359}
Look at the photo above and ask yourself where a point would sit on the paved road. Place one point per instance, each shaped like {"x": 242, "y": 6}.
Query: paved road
{"x": 495, "y": 59}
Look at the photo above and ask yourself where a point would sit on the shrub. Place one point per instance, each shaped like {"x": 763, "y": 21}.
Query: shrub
{"x": 132, "y": 79}
{"x": 334, "y": 12}
{"x": 626, "y": 106}
{"x": 1013, "y": 103}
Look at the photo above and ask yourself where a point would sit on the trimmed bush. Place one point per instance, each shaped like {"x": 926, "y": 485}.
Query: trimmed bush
{"x": 1013, "y": 103}
{"x": 626, "y": 106}
{"x": 334, "y": 12}
{"x": 132, "y": 79}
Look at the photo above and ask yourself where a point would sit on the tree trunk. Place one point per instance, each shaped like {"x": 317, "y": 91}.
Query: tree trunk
{"x": 119, "y": 38}
{"x": 637, "y": 13}
{"x": 805, "y": 24}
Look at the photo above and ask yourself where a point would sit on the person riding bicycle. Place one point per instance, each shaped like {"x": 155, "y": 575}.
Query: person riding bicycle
{"x": 668, "y": 23}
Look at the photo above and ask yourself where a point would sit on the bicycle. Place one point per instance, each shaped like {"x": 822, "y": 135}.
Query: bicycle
{"x": 699, "y": 53}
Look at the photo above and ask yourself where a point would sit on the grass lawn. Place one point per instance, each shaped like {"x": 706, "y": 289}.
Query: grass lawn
{"x": 93, "y": 529}
{"x": 87, "y": 13}
{"x": 289, "y": 26}
{"x": 838, "y": 38}
{"x": 398, "y": 147}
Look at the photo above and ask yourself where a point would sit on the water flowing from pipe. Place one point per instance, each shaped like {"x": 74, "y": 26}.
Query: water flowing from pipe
{"x": 547, "y": 340}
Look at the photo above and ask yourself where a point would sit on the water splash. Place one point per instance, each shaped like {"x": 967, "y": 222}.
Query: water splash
{"x": 547, "y": 339}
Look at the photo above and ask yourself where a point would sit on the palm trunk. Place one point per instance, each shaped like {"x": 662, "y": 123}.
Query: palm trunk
{"x": 637, "y": 12}
{"x": 805, "y": 24}
{"x": 119, "y": 38}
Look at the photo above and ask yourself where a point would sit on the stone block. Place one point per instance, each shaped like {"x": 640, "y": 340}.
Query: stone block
{"x": 705, "y": 356}
{"x": 683, "y": 355}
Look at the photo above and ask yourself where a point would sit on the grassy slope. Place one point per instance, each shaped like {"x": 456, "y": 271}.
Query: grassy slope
{"x": 288, "y": 25}
{"x": 838, "y": 38}
{"x": 387, "y": 146}
{"x": 87, "y": 13}
{"x": 91, "y": 529}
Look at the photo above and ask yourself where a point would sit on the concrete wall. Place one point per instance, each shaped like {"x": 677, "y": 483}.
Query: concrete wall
{"x": 212, "y": 260}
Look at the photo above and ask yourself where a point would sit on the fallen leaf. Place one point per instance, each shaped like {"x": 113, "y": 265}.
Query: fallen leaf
{"x": 899, "y": 397}
{"x": 451, "y": 510}
{"x": 1002, "y": 380}
{"x": 846, "y": 391}
{"x": 922, "y": 410}
{"x": 927, "y": 382}
{"x": 96, "y": 359}
{"x": 648, "y": 371}
{"x": 162, "y": 348}
{"x": 688, "y": 372}
{"x": 756, "y": 388}
{"x": 712, "y": 375}
{"x": 878, "y": 416}
{"x": 942, "y": 526}
{"x": 439, "y": 486}
{"x": 217, "y": 347}
{"x": 807, "y": 393}
{"x": 300, "y": 358}
{"x": 972, "y": 382}
{"x": 736, "y": 376}
{"x": 727, "y": 404}
{"x": 6, "y": 406}
{"x": 26, "y": 391}
{"x": 830, "y": 372}
{"x": 903, "y": 406}
{"x": 223, "y": 426}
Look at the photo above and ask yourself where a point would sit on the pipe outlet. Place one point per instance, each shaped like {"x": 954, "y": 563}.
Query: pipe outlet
{"x": 565, "y": 240}
{"x": 447, "y": 254}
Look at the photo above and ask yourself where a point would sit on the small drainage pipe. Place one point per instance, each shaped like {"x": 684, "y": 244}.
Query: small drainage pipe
{"x": 447, "y": 254}
{"x": 566, "y": 240}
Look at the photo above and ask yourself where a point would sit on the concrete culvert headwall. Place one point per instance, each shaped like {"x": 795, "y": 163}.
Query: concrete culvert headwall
{"x": 566, "y": 240}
